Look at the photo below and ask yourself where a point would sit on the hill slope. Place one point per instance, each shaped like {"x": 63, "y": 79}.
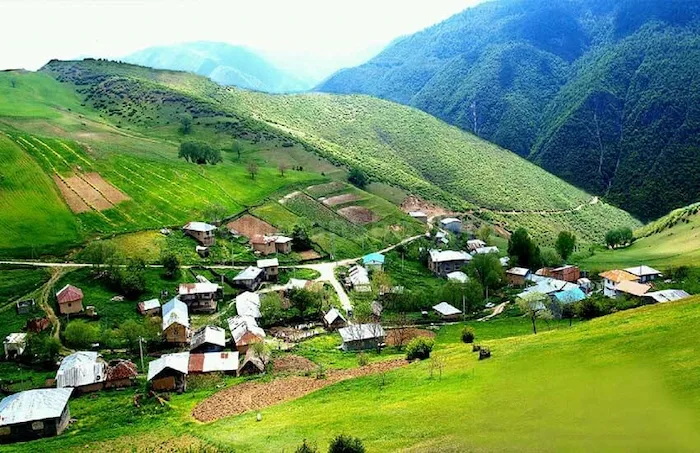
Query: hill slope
{"x": 222, "y": 63}
{"x": 600, "y": 92}
{"x": 394, "y": 144}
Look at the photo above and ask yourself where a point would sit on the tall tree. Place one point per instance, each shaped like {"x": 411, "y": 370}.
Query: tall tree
{"x": 358, "y": 178}
{"x": 523, "y": 250}
{"x": 185, "y": 125}
{"x": 484, "y": 233}
{"x": 487, "y": 270}
{"x": 566, "y": 242}
{"x": 534, "y": 305}
{"x": 252, "y": 169}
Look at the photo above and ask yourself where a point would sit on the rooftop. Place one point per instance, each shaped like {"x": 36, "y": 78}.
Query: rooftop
{"x": 81, "y": 368}
{"x": 618, "y": 276}
{"x": 358, "y": 332}
{"x": 249, "y": 273}
{"x": 248, "y": 304}
{"x": 175, "y": 311}
{"x": 179, "y": 362}
{"x": 210, "y": 362}
{"x": 668, "y": 295}
{"x": 449, "y": 220}
{"x": 270, "y": 262}
{"x": 441, "y": 256}
{"x": 446, "y": 309}
{"x": 521, "y": 271}
{"x": 33, "y": 405}
{"x": 150, "y": 304}
{"x": 633, "y": 288}
{"x": 208, "y": 334}
{"x": 199, "y": 226}
{"x": 240, "y": 325}
{"x": 373, "y": 258}
{"x": 197, "y": 288}
{"x": 69, "y": 293}
{"x": 641, "y": 271}
{"x": 332, "y": 315}
{"x": 458, "y": 276}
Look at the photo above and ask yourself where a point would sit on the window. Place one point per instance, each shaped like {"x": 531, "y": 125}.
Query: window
{"x": 38, "y": 426}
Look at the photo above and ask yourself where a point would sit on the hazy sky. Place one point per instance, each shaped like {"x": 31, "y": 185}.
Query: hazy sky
{"x": 331, "y": 32}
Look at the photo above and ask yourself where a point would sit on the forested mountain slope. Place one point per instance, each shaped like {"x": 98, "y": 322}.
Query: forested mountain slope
{"x": 222, "y": 63}
{"x": 603, "y": 93}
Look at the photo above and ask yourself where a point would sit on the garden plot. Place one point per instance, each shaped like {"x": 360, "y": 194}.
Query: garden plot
{"x": 322, "y": 190}
{"x": 358, "y": 215}
{"x": 73, "y": 200}
{"x": 341, "y": 199}
{"x": 250, "y": 226}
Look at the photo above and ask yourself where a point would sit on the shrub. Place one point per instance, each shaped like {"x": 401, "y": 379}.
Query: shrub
{"x": 358, "y": 178}
{"x": 346, "y": 444}
{"x": 306, "y": 447}
{"x": 468, "y": 334}
{"x": 362, "y": 359}
{"x": 80, "y": 334}
{"x": 419, "y": 348}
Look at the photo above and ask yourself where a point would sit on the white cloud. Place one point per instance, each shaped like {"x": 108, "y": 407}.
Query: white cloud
{"x": 330, "y": 32}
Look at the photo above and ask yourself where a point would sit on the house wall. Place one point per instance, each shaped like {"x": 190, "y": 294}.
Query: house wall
{"x": 119, "y": 383}
{"x": 284, "y": 248}
{"x": 36, "y": 429}
{"x": 363, "y": 344}
{"x": 69, "y": 308}
{"x": 205, "y": 238}
{"x": 90, "y": 388}
{"x": 265, "y": 249}
{"x": 515, "y": 280}
{"x": 271, "y": 273}
{"x": 176, "y": 333}
{"x": 446, "y": 267}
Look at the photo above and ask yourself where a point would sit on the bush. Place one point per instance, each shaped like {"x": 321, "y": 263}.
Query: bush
{"x": 468, "y": 334}
{"x": 419, "y": 348}
{"x": 362, "y": 359}
{"x": 80, "y": 334}
{"x": 306, "y": 447}
{"x": 42, "y": 348}
{"x": 346, "y": 444}
{"x": 358, "y": 178}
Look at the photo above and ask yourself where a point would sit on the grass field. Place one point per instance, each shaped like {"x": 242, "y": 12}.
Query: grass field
{"x": 627, "y": 381}
{"x": 672, "y": 246}
{"x": 15, "y": 284}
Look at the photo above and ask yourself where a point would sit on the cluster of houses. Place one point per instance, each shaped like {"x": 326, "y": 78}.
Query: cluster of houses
{"x": 205, "y": 235}
{"x": 638, "y": 282}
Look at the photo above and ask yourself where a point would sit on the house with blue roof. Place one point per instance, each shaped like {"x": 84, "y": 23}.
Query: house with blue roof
{"x": 569, "y": 296}
{"x": 374, "y": 261}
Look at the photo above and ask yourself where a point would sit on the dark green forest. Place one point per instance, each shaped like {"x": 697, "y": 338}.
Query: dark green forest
{"x": 602, "y": 93}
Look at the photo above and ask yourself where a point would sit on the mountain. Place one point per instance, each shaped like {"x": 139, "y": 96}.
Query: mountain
{"x": 222, "y": 63}
{"x": 602, "y": 93}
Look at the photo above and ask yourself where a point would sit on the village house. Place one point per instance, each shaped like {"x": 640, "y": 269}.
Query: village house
{"x": 358, "y": 279}
{"x": 631, "y": 289}
{"x": 270, "y": 267}
{"x": 268, "y": 245}
{"x": 34, "y": 414}
{"x": 14, "y": 345}
{"x": 569, "y": 296}
{"x": 248, "y": 304}
{"x": 200, "y": 297}
{"x": 201, "y": 232}
{"x": 585, "y": 284}
{"x": 485, "y": 250}
{"x": 452, "y": 224}
{"x": 252, "y": 364}
{"x": 169, "y": 372}
{"x": 547, "y": 286}
{"x": 296, "y": 283}
{"x": 149, "y": 307}
{"x": 447, "y": 312}
{"x": 644, "y": 274}
{"x": 517, "y": 276}
{"x": 566, "y": 273}
{"x": 244, "y": 332}
{"x": 419, "y": 215}
{"x": 334, "y": 319}
{"x": 70, "y": 300}
{"x": 250, "y": 278}
{"x": 362, "y": 336}
{"x": 213, "y": 362}
{"x": 613, "y": 278}
{"x": 442, "y": 237}
{"x": 283, "y": 244}
{"x": 25, "y": 306}
{"x": 474, "y": 244}
{"x": 666, "y": 295}
{"x": 457, "y": 276}
{"x": 85, "y": 371}
{"x": 208, "y": 339}
{"x": 443, "y": 262}
{"x": 176, "y": 322}
{"x": 120, "y": 373}
{"x": 373, "y": 261}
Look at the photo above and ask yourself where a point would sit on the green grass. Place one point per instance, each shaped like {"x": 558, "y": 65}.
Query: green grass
{"x": 672, "y": 246}
{"x": 16, "y": 284}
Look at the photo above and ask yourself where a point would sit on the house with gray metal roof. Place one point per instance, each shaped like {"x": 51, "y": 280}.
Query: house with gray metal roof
{"x": 176, "y": 322}
{"x": 82, "y": 370}
{"x": 249, "y": 278}
{"x": 203, "y": 232}
{"x": 33, "y": 414}
{"x": 169, "y": 372}
{"x": 362, "y": 336}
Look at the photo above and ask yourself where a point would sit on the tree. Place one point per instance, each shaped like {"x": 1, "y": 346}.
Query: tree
{"x": 100, "y": 253}
{"x": 534, "y": 305}
{"x": 170, "y": 263}
{"x": 42, "y": 348}
{"x": 199, "y": 153}
{"x": 346, "y": 444}
{"x": 306, "y": 447}
{"x": 401, "y": 333}
{"x": 300, "y": 239}
{"x": 549, "y": 257}
{"x": 237, "y": 148}
{"x": 131, "y": 279}
{"x": 358, "y": 178}
{"x": 487, "y": 270}
{"x": 13, "y": 82}
{"x": 282, "y": 168}
{"x": 523, "y": 250}
{"x": 215, "y": 213}
{"x": 307, "y": 302}
{"x": 619, "y": 237}
{"x": 252, "y": 169}
{"x": 568, "y": 311}
{"x": 484, "y": 233}
{"x": 131, "y": 331}
{"x": 566, "y": 242}
{"x": 80, "y": 334}
{"x": 185, "y": 124}
{"x": 262, "y": 352}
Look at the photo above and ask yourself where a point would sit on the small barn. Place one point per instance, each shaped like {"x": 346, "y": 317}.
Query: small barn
{"x": 283, "y": 244}
{"x": 248, "y": 304}
{"x": 25, "y": 306}
{"x": 362, "y": 336}
{"x": 208, "y": 339}
{"x": 169, "y": 372}
{"x": 214, "y": 362}
{"x": 373, "y": 261}
{"x": 334, "y": 319}
{"x": 358, "y": 279}
{"x": 517, "y": 276}
{"x": 244, "y": 332}
{"x": 443, "y": 262}
{"x": 176, "y": 322}
{"x": 70, "y": 300}
{"x": 447, "y": 312}
{"x": 263, "y": 244}
{"x": 485, "y": 250}
{"x": 270, "y": 267}
{"x": 643, "y": 273}
{"x": 250, "y": 278}
{"x": 666, "y": 295}
{"x": 474, "y": 244}
{"x": 419, "y": 215}
{"x": 202, "y": 232}
{"x": 85, "y": 371}
{"x": 14, "y": 345}
{"x": 34, "y": 414}
{"x": 149, "y": 307}
{"x": 120, "y": 373}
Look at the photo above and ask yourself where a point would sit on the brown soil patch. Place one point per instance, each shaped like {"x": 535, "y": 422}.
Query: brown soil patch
{"x": 341, "y": 199}
{"x": 88, "y": 193}
{"x": 358, "y": 214}
{"x": 72, "y": 199}
{"x": 258, "y": 395}
{"x": 110, "y": 192}
{"x": 293, "y": 364}
{"x": 151, "y": 443}
{"x": 413, "y": 203}
{"x": 308, "y": 255}
{"x": 250, "y": 226}
{"x": 392, "y": 335}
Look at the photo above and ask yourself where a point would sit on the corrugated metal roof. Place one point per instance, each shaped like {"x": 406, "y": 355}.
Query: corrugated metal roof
{"x": 449, "y": 220}
{"x": 33, "y": 405}
{"x": 642, "y": 271}
{"x": 179, "y": 362}
{"x": 175, "y": 311}
{"x": 570, "y": 295}
{"x": 213, "y": 362}
{"x": 81, "y": 368}
{"x": 270, "y": 262}
{"x": 240, "y": 325}
{"x": 199, "y": 226}
{"x": 668, "y": 295}
{"x": 208, "y": 335}
{"x": 486, "y": 250}
{"x": 418, "y": 214}
{"x": 150, "y": 304}
{"x": 458, "y": 276}
{"x": 441, "y": 256}
{"x": 521, "y": 271}
{"x": 358, "y": 276}
{"x": 197, "y": 288}
{"x": 633, "y": 288}
{"x": 248, "y": 304}
{"x": 373, "y": 258}
{"x": 69, "y": 293}
{"x": 358, "y": 332}
{"x": 249, "y": 273}
{"x": 16, "y": 338}
{"x": 446, "y": 309}
{"x": 618, "y": 276}
{"x": 332, "y": 315}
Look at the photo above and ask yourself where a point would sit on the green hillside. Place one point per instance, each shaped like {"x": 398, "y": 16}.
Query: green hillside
{"x": 625, "y": 381}
{"x": 599, "y": 92}
{"x": 671, "y": 241}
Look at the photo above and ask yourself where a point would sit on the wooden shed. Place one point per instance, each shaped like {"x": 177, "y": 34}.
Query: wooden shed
{"x": 169, "y": 372}
{"x": 33, "y": 414}
{"x": 70, "y": 300}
